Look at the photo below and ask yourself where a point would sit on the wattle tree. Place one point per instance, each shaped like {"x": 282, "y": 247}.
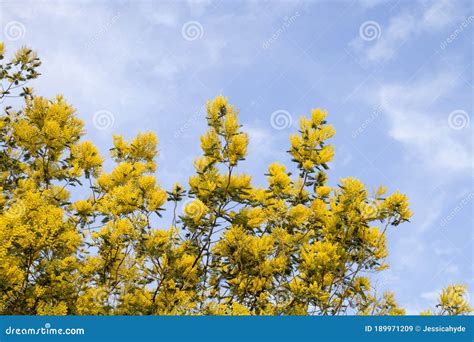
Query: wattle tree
{"x": 294, "y": 247}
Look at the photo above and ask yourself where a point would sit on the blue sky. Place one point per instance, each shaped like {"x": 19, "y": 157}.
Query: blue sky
{"x": 395, "y": 76}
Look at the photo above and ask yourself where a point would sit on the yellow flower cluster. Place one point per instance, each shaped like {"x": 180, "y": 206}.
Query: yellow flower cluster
{"x": 308, "y": 148}
{"x": 278, "y": 179}
{"x": 249, "y": 260}
{"x": 48, "y": 125}
{"x": 453, "y": 300}
{"x": 142, "y": 148}
{"x": 85, "y": 157}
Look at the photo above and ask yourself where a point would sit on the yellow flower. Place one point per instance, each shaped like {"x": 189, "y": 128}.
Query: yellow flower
{"x": 326, "y": 154}
{"x": 215, "y": 109}
{"x": 299, "y": 214}
{"x": 397, "y": 204}
{"x": 211, "y": 144}
{"x": 323, "y": 191}
{"x": 308, "y": 165}
{"x": 256, "y": 217}
{"x": 278, "y": 178}
{"x": 317, "y": 116}
{"x": 156, "y": 199}
{"x": 453, "y": 300}
{"x": 83, "y": 207}
{"x": 295, "y": 140}
{"x": 237, "y": 148}
{"x": 362, "y": 284}
{"x": 231, "y": 123}
{"x": 85, "y": 156}
{"x": 142, "y": 148}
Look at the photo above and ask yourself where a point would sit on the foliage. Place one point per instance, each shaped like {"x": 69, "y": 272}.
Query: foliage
{"x": 294, "y": 247}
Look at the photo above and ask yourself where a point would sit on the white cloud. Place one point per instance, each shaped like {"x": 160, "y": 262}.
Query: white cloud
{"x": 367, "y": 4}
{"x": 431, "y": 296}
{"x": 262, "y": 143}
{"x": 422, "y": 127}
{"x": 405, "y": 25}
{"x": 165, "y": 18}
{"x": 198, "y": 7}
